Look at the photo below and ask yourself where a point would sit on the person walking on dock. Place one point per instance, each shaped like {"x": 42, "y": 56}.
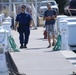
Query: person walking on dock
{"x": 49, "y": 17}
{"x": 23, "y": 20}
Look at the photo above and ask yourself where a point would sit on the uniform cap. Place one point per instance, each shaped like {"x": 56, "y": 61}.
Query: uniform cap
{"x": 23, "y": 6}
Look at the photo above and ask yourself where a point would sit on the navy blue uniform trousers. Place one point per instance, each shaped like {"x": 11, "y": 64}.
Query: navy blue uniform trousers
{"x": 24, "y": 35}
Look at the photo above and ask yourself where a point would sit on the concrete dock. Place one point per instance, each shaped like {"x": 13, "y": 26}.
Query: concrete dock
{"x": 37, "y": 59}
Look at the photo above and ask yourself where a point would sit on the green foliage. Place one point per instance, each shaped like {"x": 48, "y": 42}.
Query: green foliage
{"x": 61, "y": 4}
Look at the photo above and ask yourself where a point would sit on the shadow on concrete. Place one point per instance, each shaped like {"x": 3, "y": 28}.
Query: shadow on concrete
{"x": 74, "y": 51}
{"x": 42, "y": 39}
{"x": 71, "y": 58}
{"x": 72, "y": 74}
{"x": 50, "y": 51}
{"x": 36, "y": 48}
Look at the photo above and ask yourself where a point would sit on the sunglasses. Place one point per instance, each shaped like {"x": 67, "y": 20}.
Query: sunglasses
{"x": 23, "y": 7}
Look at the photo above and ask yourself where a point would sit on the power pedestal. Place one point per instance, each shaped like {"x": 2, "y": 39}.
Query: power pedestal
{"x": 64, "y": 34}
{"x": 3, "y": 45}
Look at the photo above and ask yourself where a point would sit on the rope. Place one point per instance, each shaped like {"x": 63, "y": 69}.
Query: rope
{"x": 13, "y": 70}
{"x": 13, "y": 44}
{"x": 58, "y": 43}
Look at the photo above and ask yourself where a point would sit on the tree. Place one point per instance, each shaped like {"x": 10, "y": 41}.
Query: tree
{"x": 61, "y": 4}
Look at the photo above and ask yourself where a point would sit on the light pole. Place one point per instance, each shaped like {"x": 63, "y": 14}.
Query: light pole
{"x": 36, "y": 11}
{"x": 10, "y": 7}
{"x": 2, "y": 6}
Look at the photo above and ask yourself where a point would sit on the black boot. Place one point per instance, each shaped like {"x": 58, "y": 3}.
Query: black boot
{"x": 25, "y": 46}
{"x": 21, "y": 47}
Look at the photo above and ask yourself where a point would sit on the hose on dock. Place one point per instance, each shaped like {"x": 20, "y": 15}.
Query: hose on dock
{"x": 13, "y": 44}
{"x": 58, "y": 44}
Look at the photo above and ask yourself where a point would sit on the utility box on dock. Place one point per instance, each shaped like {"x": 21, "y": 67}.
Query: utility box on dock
{"x": 64, "y": 34}
{"x": 60, "y": 17}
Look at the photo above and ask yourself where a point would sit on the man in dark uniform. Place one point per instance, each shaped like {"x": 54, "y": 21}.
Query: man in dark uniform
{"x": 49, "y": 17}
{"x": 23, "y": 19}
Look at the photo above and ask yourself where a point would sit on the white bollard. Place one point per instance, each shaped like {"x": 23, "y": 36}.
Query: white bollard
{"x": 64, "y": 34}
{"x": 0, "y": 19}
{"x": 4, "y": 37}
{"x": 6, "y": 26}
{"x": 3, "y": 45}
{"x": 9, "y": 19}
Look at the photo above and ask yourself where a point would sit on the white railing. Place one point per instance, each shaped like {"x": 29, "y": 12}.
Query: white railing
{"x": 69, "y": 11}
{"x": 2, "y": 16}
{"x": 34, "y": 15}
{"x": 14, "y": 8}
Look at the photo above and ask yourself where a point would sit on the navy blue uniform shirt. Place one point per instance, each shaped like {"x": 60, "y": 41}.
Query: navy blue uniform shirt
{"x": 24, "y": 19}
{"x": 50, "y": 13}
